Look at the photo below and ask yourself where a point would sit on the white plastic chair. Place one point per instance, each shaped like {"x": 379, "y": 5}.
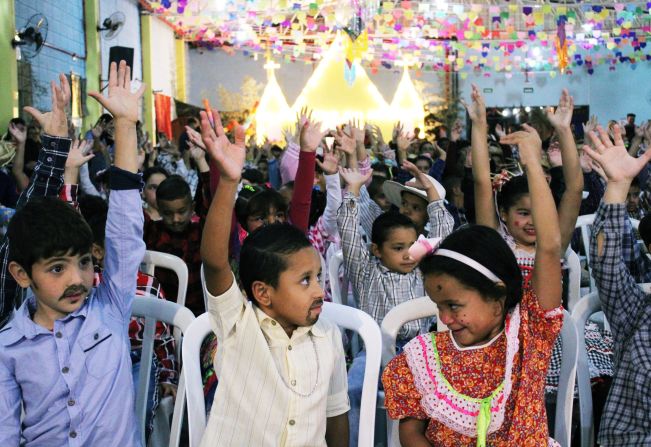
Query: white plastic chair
{"x": 566, "y": 381}
{"x": 585, "y": 308}
{"x": 155, "y": 259}
{"x": 153, "y": 310}
{"x": 337, "y": 290}
{"x": 395, "y": 319}
{"x": 344, "y": 316}
{"x": 573, "y": 263}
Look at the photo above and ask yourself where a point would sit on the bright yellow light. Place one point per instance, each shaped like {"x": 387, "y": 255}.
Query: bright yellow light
{"x": 272, "y": 113}
{"x": 407, "y": 104}
{"x": 334, "y": 102}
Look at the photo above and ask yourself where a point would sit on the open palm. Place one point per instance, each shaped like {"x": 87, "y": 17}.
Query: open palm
{"x": 345, "y": 142}
{"x": 55, "y": 122}
{"x": 311, "y": 136}
{"x": 121, "y": 102}
{"x": 562, "y": 116}
{"x": 615, "y": 160}
{"x": 230, "y": 157}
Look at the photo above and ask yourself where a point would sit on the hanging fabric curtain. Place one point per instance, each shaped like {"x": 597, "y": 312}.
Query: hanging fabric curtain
{"x": 163, "y": 105}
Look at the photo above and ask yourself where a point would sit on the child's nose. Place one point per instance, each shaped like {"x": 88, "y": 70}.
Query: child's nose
{"x": 445, "y": 317}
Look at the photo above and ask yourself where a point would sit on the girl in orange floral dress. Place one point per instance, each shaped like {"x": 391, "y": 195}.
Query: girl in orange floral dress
{"x": 482, "y": 382}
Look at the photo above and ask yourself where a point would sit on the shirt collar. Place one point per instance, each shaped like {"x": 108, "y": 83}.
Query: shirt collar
{"x": 317, "y": 329}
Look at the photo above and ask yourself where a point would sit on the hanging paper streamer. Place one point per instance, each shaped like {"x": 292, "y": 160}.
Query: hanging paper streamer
{"x": 561, "y": 44}
{"x": 349, "y": 73}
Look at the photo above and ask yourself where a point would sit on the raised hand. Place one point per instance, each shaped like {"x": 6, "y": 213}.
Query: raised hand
{"x": 354, "y": 178}
{"x": 330, "y": 163}
{"x": 477, "y": 109}
{"x": 195, "y": 137}
{"x": 311, "y": 135}
{"x": 421, "y": 181}
{"x": 79, "y": 154}
{"x": 19, "y": 135}
{"x": 403, "y": 141}
{"x": 499, "y": 130}
{"x": 289, "y": 136}
{"x": 230, "y": 157}
{"x": 121, "y": 102}
{"x": 528, "y": 142}
{"x": 617, "y": 164}
{"x": 345, "y": 141}
{"x": 55, "y": 122}
{"x": 554, "y": 155}
{"x": 562, "y": 116}
{"x": 377, "y": 132}
{"x": 357, "y": 131}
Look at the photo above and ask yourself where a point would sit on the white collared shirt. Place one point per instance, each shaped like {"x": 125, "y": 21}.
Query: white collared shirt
{"x": 253, "y": 405}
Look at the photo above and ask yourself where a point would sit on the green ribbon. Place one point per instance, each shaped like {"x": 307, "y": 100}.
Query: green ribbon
{"x": 483, "y": 421}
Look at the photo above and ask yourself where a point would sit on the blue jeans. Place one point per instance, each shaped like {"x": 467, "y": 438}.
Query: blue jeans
{"x": 355, "y": 385}
{"x": 152, "y": 392}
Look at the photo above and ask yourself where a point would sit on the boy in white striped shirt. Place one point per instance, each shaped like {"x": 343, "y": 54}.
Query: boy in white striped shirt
{"x": 281, "y": 369}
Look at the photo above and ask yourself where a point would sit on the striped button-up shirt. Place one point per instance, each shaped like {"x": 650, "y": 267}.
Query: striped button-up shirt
{"x": 274, "y": 390}
{"x": 628, "y": 310}
{"x": 379, "y": 289}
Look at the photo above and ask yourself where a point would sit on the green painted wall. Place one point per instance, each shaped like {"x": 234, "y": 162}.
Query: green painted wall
{"x": 93, "y": 60}
{"x": 9, "y": 71}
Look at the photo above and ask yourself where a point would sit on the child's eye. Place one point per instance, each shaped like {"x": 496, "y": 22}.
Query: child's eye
{"x": 56, "y": 268}
{"x": 85, "y": 262}
{"x": 305, "y": 281}
{"x": 454, "y": 307}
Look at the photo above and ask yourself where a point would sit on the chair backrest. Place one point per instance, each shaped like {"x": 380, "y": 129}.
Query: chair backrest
{"x": 344, "y": 316}
{"x": 566, "y": 381}
{"x": 155, "y": 259}
{"x": 347, "y": 317}
{"x": 573, "y": 263}
{"x": 396, "y": 318}
{"x": 336, "y": 289}
{"x": 153, "y": 310}
{"x": 192, "y": 341}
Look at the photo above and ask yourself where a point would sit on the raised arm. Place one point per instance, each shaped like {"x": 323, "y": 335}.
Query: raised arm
{"x": 18, "y": 168}
{"x": 568, "y": 209}
{"x": 546, "y": 277}
{"x": 619, "y": 295}
{"x": 485, "y": 212}
{"x": 46, "y": 179}
{"x": 229, "y": 159}
{"x": 330, "y": 168}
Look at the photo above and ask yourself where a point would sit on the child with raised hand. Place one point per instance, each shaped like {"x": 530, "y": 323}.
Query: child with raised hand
{"x": 65, "y": 353}
{"x": 481, "y": 382}
{"x": 514, "y": 216}
{"x": 46, "y": 180}
{"x": 625, "y": 419}
{"x": 281, "y": 368}
{"x": 388, "y": 275}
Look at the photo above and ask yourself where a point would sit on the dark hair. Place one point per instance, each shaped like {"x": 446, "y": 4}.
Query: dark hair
{"x": 95, "y": 210}
{"x": 381, "y": 167}
{"x": 104, "y": 118}
{"x": 512, "y": 191}
{"x": 254, "y": 200}
{"x": 630, "y": 114}
{"x": 15, "y": 122}
{"x": 645, "y": 229}
{"x": 253, "y": 176}
{"x": 375, "y": 187}
{"x": 427, "y": 159}
{"x": 264, "y": 254}
{"x": 153, "y": 170}
{"x": 46, "y": 227}
{"x": 487, "y": 247}
{"x": 172, "y": 188}
{"x": 387, "y": 222}
{"x": 317, "y": 206}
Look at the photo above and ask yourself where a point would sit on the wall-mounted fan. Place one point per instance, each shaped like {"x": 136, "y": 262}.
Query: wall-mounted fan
{"x": 112, "y": 25}
{"x": 31, "y": 38}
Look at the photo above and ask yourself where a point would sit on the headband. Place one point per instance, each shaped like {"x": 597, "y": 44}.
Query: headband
{"x": 424, "y": 246}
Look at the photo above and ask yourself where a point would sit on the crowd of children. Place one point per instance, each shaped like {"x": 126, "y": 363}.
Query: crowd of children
{"x": 491, "y": 219}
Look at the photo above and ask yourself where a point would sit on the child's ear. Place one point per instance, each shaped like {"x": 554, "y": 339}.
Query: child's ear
{"x": 97, "y": 252}
{"x": 20, "y": 275}
{"x": 261, "y": 293}
{"x": 375, "y": 249}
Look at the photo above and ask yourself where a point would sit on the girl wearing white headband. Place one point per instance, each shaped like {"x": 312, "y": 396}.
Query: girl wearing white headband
{"x": 481, "y": 383}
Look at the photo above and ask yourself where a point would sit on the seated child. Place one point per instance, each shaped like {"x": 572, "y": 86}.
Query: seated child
{"x": 482, "y": 381}
{"x": 625, "y": 420}
{"x": 65, "y": 353}
{"x": 281, "y": 368}
{"x": 152, "y": 177}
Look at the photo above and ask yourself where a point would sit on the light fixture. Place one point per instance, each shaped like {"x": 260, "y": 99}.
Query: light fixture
{"x": 506, "y": 112}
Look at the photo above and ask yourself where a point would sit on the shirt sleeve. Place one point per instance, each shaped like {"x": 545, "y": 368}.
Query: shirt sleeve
{"x": 356, "y": 256}
{"x": 401, "y": 397}
{"x": 124, "y": 243}
{"x": 225, "y": 310}
{"x": 45, "y": 182}
{"x": 621, "y": 298}
{"x": 289, "y": 163}
{"x": 86, "y": 184}
{"x": 441, "y": 222}
{"x": 333, "y": 202}
{"x": 338, "y": 390}
{"x": 368, "y": 211}
{"x": 299, "y": 208}
{"x": 9, "y": 408}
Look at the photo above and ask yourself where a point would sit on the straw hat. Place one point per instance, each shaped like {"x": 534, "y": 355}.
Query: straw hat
{"x": 393, "y": 190}
{"x": 7, "y": 152}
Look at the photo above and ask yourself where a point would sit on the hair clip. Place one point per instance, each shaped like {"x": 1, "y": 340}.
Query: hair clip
{"x": 423, "y": 247}
{"x": 249, "y": 188}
